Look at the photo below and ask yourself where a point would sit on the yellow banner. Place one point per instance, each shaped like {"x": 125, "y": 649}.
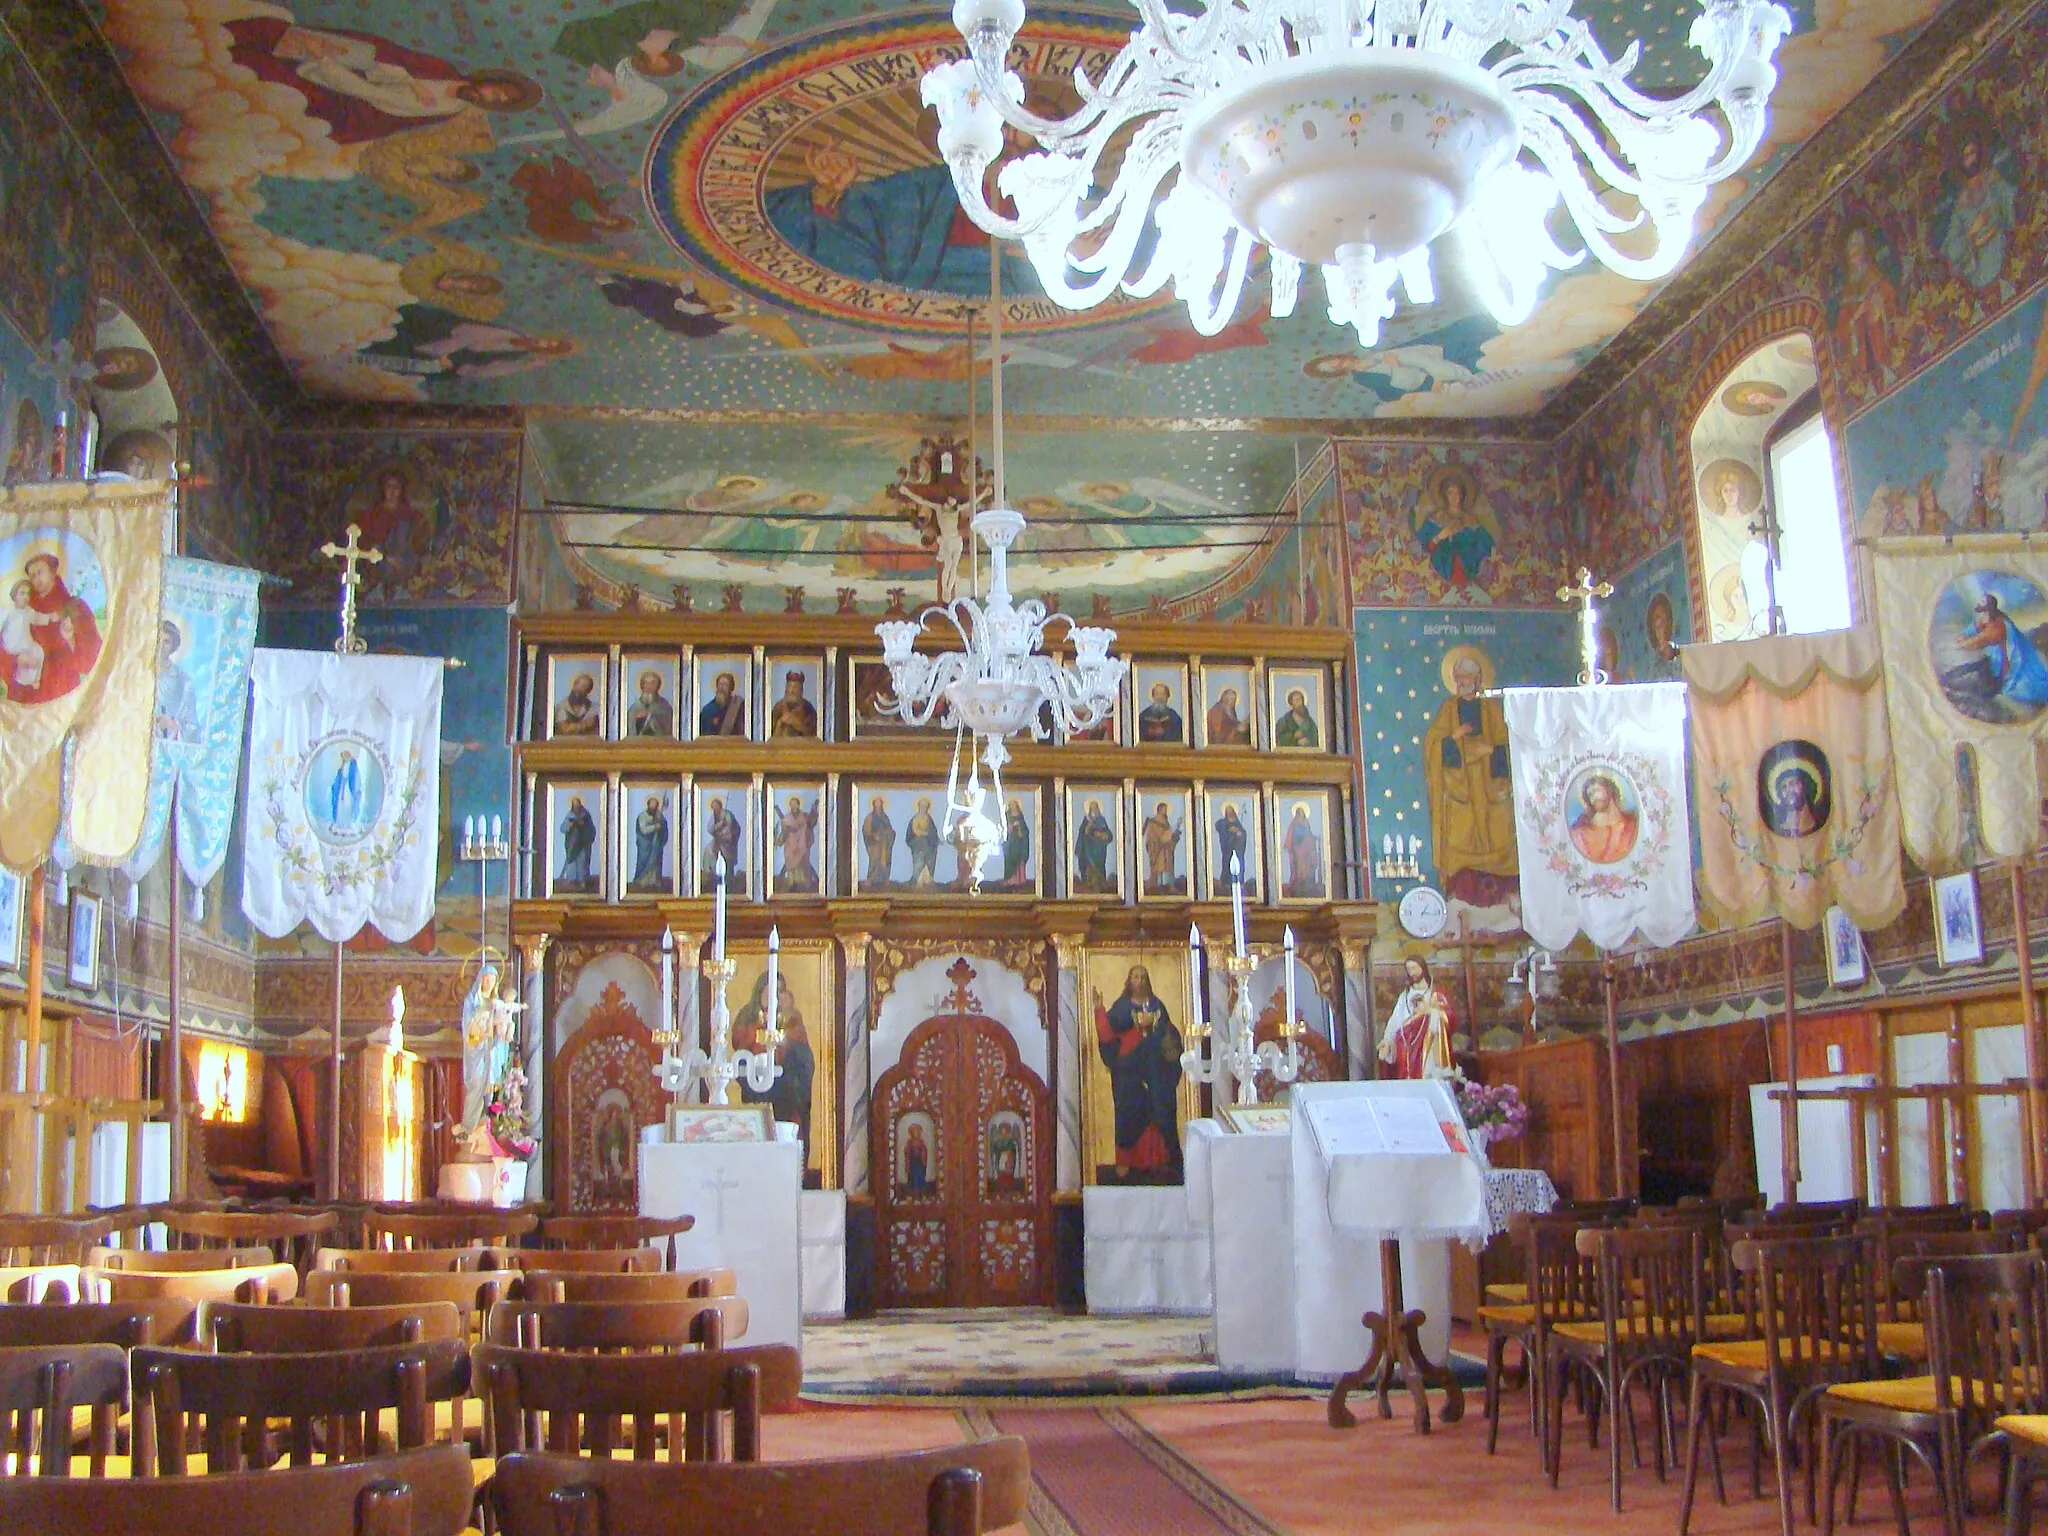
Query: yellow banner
{"x": 81, "y": 594}
{"x": 1792, "y": 778}
{"x": 1964, "y": 623}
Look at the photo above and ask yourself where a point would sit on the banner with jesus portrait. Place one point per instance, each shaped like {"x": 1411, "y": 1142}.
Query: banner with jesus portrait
{"x": 1793, "y": 768}
{"x": 344, "y": 793}
{"x": 1600, "y": 813}
{"x": 1964, "y": 622}
{"x": 81, "y": 586}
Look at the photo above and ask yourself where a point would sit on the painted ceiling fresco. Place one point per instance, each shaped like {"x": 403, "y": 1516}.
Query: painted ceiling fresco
{"x": 734, "y": 205}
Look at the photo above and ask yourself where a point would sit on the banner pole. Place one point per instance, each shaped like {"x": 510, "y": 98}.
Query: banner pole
{"x": 334, "y": 1087}
{"x": 1613, "y": 1073}
{"x": 172, "y": 1073}
{"x": 1788, "y": 1115}
{"x": 2030, "y": 1032}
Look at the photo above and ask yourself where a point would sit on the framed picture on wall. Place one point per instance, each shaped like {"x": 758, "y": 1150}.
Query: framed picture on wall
{"x": 652, "y": 703}
{"x": 1159, "y": 702}
{"x": 1017, "y": 867}
{"x": 1958, "y": 929}
{"x": 1846, "y": 965}
{"x": 720, "y": 1124}
{"x": 722, "y": 686}
{"x": 723, "y": 825}
{"x": 799, "y": 862}
{"x": 795, "y": 692}
{"x": 871, "y": 698}
{"x": 577, "y": 686}
{"x": 1165, "y": 842}
{"x": 653, "y": 837}
{"x": 577, "y": 814}
{"x": 1302, "y": 856}
{"x": 13, "y": 917}
{"x": 82, "y": 962}
{"x": 1095, "y": 840}
{"x": 1298, "y": 704}
{"x": 1231, "y": 827}
{"x": 1230, "y": 704}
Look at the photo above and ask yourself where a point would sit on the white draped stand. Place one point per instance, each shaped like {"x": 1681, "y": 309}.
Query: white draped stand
{"x": 1142, "y": 1251}
{"x": 747, "y": 1199}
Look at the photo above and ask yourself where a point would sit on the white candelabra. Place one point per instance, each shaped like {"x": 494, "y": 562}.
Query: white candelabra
{"x": 719, "y": 1068}
{"x": 1400, "y": 859}
{"x": 1235, "y": 1054}
{"x": 481, "y": 843}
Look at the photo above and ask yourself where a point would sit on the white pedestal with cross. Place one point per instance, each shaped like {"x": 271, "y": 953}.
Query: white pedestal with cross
{"x": 1244, "y": 1187}
{"x": 747, "y": 1200}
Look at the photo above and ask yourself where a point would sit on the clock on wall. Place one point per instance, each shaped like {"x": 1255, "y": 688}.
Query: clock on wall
{"x": 1423, "y": 912}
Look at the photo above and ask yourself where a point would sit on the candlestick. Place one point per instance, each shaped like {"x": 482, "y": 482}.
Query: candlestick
{"x": 668, "y": 982}
{"x": 1195, "y": 977}
{"x": 497, "y": 829}
{"x": 469, "y": 829}
{"x": 1237, "y": 903}
{"x": 774, "y": 991}
{"x": 718, "y": 927}
{"x": 1287, "y": 943}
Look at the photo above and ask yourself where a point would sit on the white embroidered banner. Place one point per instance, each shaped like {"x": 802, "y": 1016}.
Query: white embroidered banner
{"x": 344, "y": 793}
{"x": 1601, "y": 812}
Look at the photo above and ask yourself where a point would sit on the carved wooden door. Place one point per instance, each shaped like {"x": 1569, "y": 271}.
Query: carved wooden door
{"x": 962, "y": 1169}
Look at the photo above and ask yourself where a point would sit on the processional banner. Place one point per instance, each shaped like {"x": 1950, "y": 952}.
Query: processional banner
{"x": 1600, "y": 813}
{"x": 81, "y": 585}
{"x": 344, "y": 793}
{"x": 1964, "y": 622}
{"x": 1793, "y": 771}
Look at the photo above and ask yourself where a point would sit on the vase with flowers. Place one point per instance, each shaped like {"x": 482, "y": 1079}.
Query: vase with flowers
{"x": 1494, "y": 1112}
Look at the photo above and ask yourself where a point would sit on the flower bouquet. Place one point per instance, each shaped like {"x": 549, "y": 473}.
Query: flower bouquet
{"x": 1493, "y": 1111}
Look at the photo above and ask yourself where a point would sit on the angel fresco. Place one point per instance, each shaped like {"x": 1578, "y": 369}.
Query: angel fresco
{"x": 1455, "y": 527}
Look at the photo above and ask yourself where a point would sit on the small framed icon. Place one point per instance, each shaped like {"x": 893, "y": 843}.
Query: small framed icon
{"x": 82, "y": 962}
{"x": 871, "y": 709}
{"x": 1232, "y": 831}
{"x": 723, "y": 823}
{"x": 1298, "y": 704}
{"x": 652, "y": 837}
{"x": 902, "y": 845}
{"x": 651, "y": 701}
{"x": 577, "y": 685}
{"x": 1017, "y": 866}
{"x": 1159, "y": 703}
{"x": 722, "y": 688}
{"x": 1958, "y": 929}
{"x": 1847, "y": 966}
{"x": 576, "y": 819}
{"x": 1229, "y": 712}
{"x": 13, "y": 915}
{"x": 798, "y": 862}
{"x": 795, "y": 694}
{"x": 1095, "y": 840}
{"x": 1165, "y": 842}
{"x": 1302, "y": 855}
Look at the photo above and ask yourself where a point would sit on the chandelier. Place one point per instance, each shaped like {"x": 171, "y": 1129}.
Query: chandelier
{"x": 996, "y": 679}
{"x": 1350, "y": 135}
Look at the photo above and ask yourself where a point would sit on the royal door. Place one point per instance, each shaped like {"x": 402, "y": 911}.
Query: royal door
{"x": 962, "y": 1160}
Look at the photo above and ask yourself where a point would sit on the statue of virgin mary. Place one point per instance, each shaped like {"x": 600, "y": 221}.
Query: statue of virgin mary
{"x": 488, "y": 1026}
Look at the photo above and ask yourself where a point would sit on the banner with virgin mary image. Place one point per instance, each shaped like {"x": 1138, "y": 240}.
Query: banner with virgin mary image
{"x": 81, "y": 586}
{"x": 344, "y": 793}
{"x": 1792, "y": 768}
{"x": 1600, "y": 813}
{"x": 1965, "y": 624}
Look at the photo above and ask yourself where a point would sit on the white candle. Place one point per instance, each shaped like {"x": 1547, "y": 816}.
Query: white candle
{"x": 1237, "y": 903}
{"x": 497, "y": 829}
{"x": 1288, "y": 944}
{"x": 668, "y": 979}
{"x": 1195, "y": 973}
{"x": 718, "y": 920}
{"x": 774, "y": 961}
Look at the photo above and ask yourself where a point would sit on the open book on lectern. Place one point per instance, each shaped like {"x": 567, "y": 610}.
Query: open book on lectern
{"x": 1406, "y": 1119}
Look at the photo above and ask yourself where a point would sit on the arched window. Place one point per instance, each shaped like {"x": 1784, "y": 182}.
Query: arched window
{"x": 1765, "y": 484}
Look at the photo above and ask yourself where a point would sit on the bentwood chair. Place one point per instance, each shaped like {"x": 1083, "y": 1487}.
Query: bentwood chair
{"x": 593, "y": 1261}
{"x": 39, "y": 1388}
{"x": 706, "y": 1322}
{"x": 445, "y": 1228}
{"x": 416, "y": 1493}
{"x": 1560, "y": 1283}
{"x": 611, "y": 1231}
{"x": 32, "y": 1240}
{"x": 961, "y": 1490}
{"x": 1988, "y": 1352}
{"x": 232, "y": 1328}
{"x": 1816, "y": 1305}
{"x": 581, "y": 1285}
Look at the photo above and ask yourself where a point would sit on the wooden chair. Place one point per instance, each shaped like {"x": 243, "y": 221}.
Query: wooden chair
{"x": 1729, "y": 1314}
{"x": 1652, "y": 1313}
{"x": 166, "y": 1320}
{"x": 346, "y": 1391}
{"x": 589, "y": 1261}
{"x": 669, "y": 1285}
{"x": 2025, "y": 1436}
{"x": 585, "y": 1397}
{"x": 1561, "y": 1282}
{"x": 395, "y": 1261}
{"x": 1590, "y": 1213}
{"x": 232, "y": 1328}
{"x": 31, "y": 1240}
{"x": 289, "y": 1234}
{"x": 1901, "y": 1332}
{"x": 960, "y": 1490}
{"x": 472, "y": 1292}
{"x": 1987, "y": 1322}
{"x": 258, "y": 1282}
{"x": 611, "y": 1231}
{"x": 445, "y": 1228}
{"x": 39, "y": 1388}
{"x": 1816, "y": 1305}
{"x": 180, "y": 1261}
{"x": 708, "y": 1322}
{"x": 417, "y": 1493}
{"x": 2028, "y": 1222}
{"x": 41, "y": 1282}
{"x": 1839, "y": 1214}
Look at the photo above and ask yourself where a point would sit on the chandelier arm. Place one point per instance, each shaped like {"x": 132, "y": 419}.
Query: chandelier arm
{"x": 1668, "y": 199}
{"x": 1671, "y": 217}
{"x": 1618, "y": 113}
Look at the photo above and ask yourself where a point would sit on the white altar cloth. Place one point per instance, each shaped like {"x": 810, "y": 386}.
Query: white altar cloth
{"x": 822, "y": 1225}
{"x": 1248, "y": 1181}
{"x": 1141, "y": 1253}
{"x": 746, "y": 1198}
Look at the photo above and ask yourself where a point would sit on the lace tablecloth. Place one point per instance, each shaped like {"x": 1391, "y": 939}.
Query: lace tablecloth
{"x": 1511, "y": 1191}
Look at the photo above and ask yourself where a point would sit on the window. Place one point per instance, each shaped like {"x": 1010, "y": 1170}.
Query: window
{"x": 1813, "y": 589}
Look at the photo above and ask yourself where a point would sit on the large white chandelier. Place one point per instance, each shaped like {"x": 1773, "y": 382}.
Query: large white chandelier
{"x": 997, "y": 680}
{"x": 1350, "y": 135}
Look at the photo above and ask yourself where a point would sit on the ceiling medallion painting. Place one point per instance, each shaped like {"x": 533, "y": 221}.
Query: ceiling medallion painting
{"x": 809, "y": 176}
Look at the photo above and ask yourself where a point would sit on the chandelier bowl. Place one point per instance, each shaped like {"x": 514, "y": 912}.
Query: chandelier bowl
{"x": 991, "y": 708}
{"x": 1379, "y": 147}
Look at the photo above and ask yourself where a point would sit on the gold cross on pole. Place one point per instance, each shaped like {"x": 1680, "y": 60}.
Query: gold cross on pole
{"x": 351, "y": 555}
{"x": 1583, "y": 593}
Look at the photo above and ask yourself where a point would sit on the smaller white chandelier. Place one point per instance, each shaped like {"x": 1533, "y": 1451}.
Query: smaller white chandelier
{"x": 1349, "y": 135}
